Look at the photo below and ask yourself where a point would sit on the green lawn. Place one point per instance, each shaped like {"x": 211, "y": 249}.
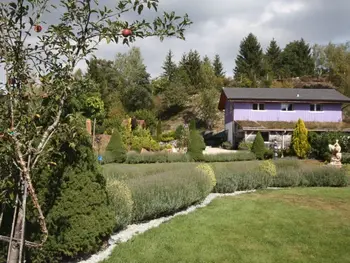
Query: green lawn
{"x": 298, "y": 225}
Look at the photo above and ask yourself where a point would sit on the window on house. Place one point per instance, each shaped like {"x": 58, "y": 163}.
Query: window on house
{"x": 287, "y": 107}
{"x": 315, "y": 107}
{"x": 258, "y": 106}
{"x": 265, "y": 136}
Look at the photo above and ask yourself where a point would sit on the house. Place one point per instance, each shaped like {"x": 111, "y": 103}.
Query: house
{"x": 275, "y": 111}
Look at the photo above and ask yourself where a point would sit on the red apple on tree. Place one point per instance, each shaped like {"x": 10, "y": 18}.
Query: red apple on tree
{"x": 126, "y": 32}
{"x": 38, "y": 28}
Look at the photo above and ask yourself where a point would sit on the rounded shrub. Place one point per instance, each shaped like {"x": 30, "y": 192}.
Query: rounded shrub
{"x": 208, "y": 170}
{"x": 121, "y": 201}
{"x": 268, "y": 167}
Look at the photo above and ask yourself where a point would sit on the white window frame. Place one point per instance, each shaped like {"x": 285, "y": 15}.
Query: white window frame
{"x": 258, "y": 109}
{"x": 315, "y": 107}
{"x": 287, "y": 106}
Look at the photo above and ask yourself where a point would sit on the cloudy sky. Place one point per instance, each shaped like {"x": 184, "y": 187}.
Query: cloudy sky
{"x": 220, "y": 25}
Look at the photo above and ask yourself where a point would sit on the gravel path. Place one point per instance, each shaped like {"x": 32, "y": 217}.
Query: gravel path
{"x": 135, "y": 229}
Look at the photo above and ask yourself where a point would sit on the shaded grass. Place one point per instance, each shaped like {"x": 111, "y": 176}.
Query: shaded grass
{"x": 297, "y": 225}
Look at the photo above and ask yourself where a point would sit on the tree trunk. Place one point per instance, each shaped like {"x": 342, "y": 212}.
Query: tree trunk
{"x": 14, "y": 250}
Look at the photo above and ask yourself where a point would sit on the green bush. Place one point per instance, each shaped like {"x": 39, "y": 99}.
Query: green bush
{"x": 75, "y": 203}
{"x": 258, "y": 147}
{"x": 142, "y": 138}
{"x": 148, "y": 116}
{"x": 179, "y": 132}
{"x": 167, "y": 192}
{"x": 121, "y": 202}
{"x": 167, "y": 136}
{"x": 116, "y": 150}
{"x": 196, "y": 146}
{"x": 245, "y": 146}
{"x": 325, "y": 176}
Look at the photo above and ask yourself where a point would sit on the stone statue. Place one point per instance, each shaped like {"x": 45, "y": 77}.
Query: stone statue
{"x": 336, "y": 153}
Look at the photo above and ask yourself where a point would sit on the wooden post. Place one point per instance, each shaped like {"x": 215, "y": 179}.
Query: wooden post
{"x": 93, "y": 134}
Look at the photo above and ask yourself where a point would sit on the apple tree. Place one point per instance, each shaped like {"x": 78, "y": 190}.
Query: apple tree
{"x": 39, "y": 59}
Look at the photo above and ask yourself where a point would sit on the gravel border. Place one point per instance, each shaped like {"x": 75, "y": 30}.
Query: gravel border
{"x": 136, "y": 229}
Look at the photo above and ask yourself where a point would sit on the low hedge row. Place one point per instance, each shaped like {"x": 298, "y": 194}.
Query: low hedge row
{"x": 138, "y": 158}
{"x": 146, "y": 197}
{"x": 147, "y": 191}
{"x": 289, "y": 173}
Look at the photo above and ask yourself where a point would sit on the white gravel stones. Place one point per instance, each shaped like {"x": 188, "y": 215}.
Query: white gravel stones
{"x": 135, "y": 229}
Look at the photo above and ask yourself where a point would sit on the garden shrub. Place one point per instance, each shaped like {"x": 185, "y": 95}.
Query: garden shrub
{"x": 142, "y": 138}
{"x": 75, "y": 201}
{"x": 258, "y": 147}
{"x": 167, "y": 192}
{"x": 300, "y": 143}
{"x": 116, "y": 150}
{"x": 121, "y": 202}
{"x": 325, "y": 176}
{"x": 196, "y": 146}
{"x": 159, "y": 130}
{"x": 245, "y": 146}
{"x": 229, "y": 157}
{"x": 345, "y": 158}
{"x": 148, "y": 116}
{"x": 268, "y": 167}
{"x": 167, "y": 136}
{"x": 179, "y": 132}
{"x": 208, "y": 170}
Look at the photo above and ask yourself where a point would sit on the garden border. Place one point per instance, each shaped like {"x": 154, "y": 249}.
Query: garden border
{"x": 135, "y": 229}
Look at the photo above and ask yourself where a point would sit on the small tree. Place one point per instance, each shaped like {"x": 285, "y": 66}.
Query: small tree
{"x": 196, "y": 146}
{"x": 192, "y": 125}
{"x": 258, "y": 147}
{"x": 300, "y": 142}
{"x": 116, "y": 148}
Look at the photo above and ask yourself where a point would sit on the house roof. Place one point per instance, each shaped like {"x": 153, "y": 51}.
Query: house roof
{"x": 289, "y": 126}
{"x": 281, "y": 94}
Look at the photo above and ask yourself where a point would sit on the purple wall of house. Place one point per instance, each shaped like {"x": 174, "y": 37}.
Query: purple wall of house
{"x": 272, "y": 112}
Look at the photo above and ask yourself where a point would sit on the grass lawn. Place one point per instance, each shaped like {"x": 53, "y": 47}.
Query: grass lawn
{"x": 297, "y": 225}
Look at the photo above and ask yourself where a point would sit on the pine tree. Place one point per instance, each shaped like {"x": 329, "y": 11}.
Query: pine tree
{"x": 169, "y": 66}
{"x": 273, "y": 58}
{"x": 218, "y": 67}
{"x": 249, "y": 60}
{"x": 206, "y": 60}
{"x": 258, "y": 147}
{"x": 116, "y": 148}
{"x": 192, "y": 65}
{"x": 297, "y": 59}
{"x": 300, "y": 143}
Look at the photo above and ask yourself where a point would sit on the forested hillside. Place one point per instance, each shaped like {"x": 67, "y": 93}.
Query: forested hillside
{"x": 112, "y": 90}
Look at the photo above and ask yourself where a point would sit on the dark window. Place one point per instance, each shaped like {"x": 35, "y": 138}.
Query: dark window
{"x": 315, "y": 107}
{"x": 265, "y": 136}
{"x": 258, "y": 106}
{"x": 287, "y": 107}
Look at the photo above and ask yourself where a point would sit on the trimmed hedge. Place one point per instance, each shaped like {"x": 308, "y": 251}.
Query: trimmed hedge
{"x": 163, "y": 157}
{"x": 159, "y": 194}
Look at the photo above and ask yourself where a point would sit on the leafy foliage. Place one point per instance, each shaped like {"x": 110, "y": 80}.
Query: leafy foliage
{"x": 300, "y": 141}
{"x": 218, "y": 67}
{"x": 258, "y": 147}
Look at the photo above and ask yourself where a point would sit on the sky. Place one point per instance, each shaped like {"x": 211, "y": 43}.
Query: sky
{"x": 220, "y": 25}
